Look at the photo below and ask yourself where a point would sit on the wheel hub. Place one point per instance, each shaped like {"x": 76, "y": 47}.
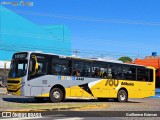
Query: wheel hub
{"x": 56, "y": 94}
{"x": 122, "y": 96}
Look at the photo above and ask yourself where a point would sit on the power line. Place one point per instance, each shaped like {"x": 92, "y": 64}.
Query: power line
{"x": 70, "y": 50}
{"x": 86, "y": 18}
{"x": 113, "y": 43}
{"x": 95, "y": 56}
{"x": 61, "y": 50}
{"x": 31, "y": 35}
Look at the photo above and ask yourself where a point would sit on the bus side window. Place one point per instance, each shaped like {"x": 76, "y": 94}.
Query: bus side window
{"x": 103, "y": 72}
{"x": 142, "y": 74}
{"x": 77, "y": 68}
{"x": 129, "y": 72}
{"x": 119, "y": 72}
{"x": 42, "y": 67}
{"x": 86, "y": 71}
{"x": 151, "y": 75}
{"x": 60, "y": 66}
{"x": 32, "y": 66}
{"x": 96, "y": 72}
{"x": 110, "y": 71}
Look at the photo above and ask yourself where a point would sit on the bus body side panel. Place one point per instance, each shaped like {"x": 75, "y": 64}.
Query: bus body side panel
{"x": 108, "y": 89}
{"x": 41, "y": 86}
{"x": 77, "y": 91}
{"x": 99, "y": 88}
{"x": 87, "y": 88}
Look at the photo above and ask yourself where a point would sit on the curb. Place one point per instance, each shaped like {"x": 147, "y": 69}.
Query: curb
{"x": 93, "y": 107}
{"x": 42, "y": 110}
{"x": 3, "y": 93}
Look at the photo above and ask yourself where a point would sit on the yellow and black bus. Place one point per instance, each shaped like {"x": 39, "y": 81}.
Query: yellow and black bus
{"x": 59, "y": 77}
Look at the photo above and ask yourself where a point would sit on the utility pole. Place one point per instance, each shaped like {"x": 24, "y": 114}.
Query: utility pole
{"x": 5, "y": 72}
{"x": 75, "y": 52}
{"x": 138, "y": 54}
{"x": 63, "y": 33}
{"x": 102, "y": 55}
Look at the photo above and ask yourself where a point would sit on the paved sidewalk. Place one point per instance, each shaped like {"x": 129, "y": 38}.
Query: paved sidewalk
{"x": 3, "y": 91}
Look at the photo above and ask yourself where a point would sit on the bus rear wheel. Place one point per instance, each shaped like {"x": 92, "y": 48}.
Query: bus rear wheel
{"x": 56, "y": 95}
{"x": 122, "y": 96}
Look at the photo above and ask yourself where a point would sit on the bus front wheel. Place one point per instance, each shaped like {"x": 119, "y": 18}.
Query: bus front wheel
{"x": 122, "y": 96}
{"x": 56, "y": 95}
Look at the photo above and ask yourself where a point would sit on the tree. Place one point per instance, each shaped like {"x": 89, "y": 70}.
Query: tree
{"x": 125, "y": 59}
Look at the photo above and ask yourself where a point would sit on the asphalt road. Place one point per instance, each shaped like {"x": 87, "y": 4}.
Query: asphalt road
{"x": 149, "y": 104}
{"x": 146, "y": 104}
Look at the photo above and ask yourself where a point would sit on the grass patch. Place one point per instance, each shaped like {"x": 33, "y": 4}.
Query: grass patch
{"x": 50, "y": 106}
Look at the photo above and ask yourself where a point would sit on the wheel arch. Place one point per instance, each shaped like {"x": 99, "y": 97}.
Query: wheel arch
{"x": 123, "y": 89}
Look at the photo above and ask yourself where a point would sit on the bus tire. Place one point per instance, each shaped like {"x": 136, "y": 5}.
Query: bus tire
{"x": 56, "y": 95}
{"x": 122, "y": 96}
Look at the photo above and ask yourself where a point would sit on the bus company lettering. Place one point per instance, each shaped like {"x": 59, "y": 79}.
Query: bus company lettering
{"x": 70, "y": 78}
{"x": 128, "y": 84}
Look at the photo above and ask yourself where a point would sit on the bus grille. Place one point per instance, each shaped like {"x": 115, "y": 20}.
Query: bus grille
{"x": 13, "y": 81}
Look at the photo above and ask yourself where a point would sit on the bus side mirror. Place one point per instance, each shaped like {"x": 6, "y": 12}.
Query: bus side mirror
{"x": 33, "y": 65}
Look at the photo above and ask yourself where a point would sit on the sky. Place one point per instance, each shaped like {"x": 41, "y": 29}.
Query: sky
{"x": 106, "y": 28}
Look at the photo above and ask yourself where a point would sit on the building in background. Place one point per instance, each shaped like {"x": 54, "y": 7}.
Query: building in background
{"x": 19, "y": 34}
{"x": 4, "y": 70}
{"x": 4, "y": 67}
{"x": 154, "y": 61}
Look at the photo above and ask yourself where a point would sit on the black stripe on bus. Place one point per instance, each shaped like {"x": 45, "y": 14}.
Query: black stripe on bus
{"x": 86, "y": 88}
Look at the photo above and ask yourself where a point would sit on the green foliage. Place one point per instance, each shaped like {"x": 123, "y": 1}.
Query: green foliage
{"x": 125, "y": 59}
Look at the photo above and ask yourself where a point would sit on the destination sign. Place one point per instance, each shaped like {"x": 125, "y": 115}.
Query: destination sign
{"x": 20, "y": 55}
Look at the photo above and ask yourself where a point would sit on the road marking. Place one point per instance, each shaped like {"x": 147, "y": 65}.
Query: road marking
{"x": 75, "y": 118}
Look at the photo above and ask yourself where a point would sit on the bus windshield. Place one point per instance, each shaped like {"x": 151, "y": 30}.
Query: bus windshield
{"x": 18, "y": 68}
